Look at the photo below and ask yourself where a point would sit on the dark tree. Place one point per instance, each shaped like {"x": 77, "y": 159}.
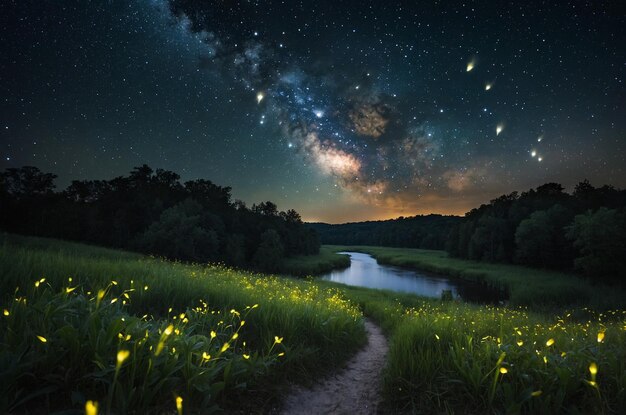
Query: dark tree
{"x": 269, "y": 255}
{"x": 601, "y": 238}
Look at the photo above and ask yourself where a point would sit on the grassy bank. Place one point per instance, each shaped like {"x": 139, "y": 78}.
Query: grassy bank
{"x": 526, "y": 286}
{"x": 139, "y": 334}
{"x": 452, "y": 357}
{"x": 325, "y": 261}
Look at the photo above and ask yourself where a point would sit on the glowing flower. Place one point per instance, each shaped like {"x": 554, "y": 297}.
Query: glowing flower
{"x": 42, "y": 339}
{"x": 600, "y": 336}
{"x": 504, "y": 370}
{"x": 536, "y": 393}
{"x": 593, "y": 369}
{"x": 179, "y": 405}
{"x": 91, "y": 408}
{"x": 550, "y": 342}
{"x": 278, "y": 340}
{"x": 121, "y": 356}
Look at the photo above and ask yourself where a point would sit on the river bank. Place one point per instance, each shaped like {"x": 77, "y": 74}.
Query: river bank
{"x": 526, "y": 286}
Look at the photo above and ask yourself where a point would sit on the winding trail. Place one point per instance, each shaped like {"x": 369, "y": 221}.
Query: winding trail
{"x": 353, "y": 390}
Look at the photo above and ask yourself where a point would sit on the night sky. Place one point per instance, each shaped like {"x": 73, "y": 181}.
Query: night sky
{"x": 343, "y": 110}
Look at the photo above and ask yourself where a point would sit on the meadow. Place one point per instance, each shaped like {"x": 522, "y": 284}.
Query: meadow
{"x": 132, "y": 334}
{"x": 530, "y": 287}
{"x": 85, "y": 326}
{"x": 454, "y": 357}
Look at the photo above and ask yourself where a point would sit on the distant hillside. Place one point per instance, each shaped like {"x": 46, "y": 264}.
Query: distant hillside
{"x": 426, "y": 232}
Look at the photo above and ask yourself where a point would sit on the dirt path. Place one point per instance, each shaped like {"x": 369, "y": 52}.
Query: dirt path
{"x": 353, "y": 390}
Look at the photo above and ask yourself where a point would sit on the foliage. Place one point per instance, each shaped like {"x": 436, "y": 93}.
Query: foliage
{"x": 601, "y": 239}
{"x": 149, "y": 211}
{"x": 86, "y": 304}
{"x": 426, "y": 232}
{"x": 269, "y": 254}
{"x": 540, "y": 239}
{"x": 325, "y": 261}
{"x": 530, "y": 228}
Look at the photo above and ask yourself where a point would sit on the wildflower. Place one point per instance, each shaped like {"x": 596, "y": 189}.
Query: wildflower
{"x": 593, "y": 369}
{"x": 600, "y": 336}
{"x": 278, "y": 340}
{"x": 436, "y": 336}
{"x": 169, "y": 330}
{"x": 225, "y": 347}
{"x": 179, "y": 405}
{"x": 6, "y": 312}
{"x": 520, "y": 343}
{"x": 213, "y": 334}
{"x": 504, "y": 370}
{"x": 242, "y": 323}
{"x": 42, "y": 339}
{"x": 281, "y": 354}
{"x": 550, "y": 342}
{"x": 91, "y": 408}
{"x": 536, "y": 393}
{"x": 246, "y": 356}
{"x": 206, "y": 356}
{"x": 69, "y": 290}
{"x": 121, "y": 356}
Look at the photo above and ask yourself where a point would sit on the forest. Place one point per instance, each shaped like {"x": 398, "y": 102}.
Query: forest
{"x": 544, "y": 227}
{"x": 425, "y": 232}
{"x": 151, "y": 211}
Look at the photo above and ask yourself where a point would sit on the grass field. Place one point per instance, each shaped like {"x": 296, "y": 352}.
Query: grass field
{"x": 526, "y": 286}
{"x": 134, "y": 334}
{"x": 453, "y": 357}
{"x": 138, "y": 334}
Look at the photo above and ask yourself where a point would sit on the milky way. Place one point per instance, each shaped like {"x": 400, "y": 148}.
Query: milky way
{"x": 343, "y": 110}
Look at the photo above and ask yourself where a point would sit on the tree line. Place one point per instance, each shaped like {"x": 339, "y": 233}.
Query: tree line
{"x": 424, "y": 232}
{"x": 152, "y": 211}
{"x": 545, "y": 227}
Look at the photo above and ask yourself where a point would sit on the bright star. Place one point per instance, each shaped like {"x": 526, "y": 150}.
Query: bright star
{"x": 533, "y": 153}
{"x": 488, "y": 86}
{"x": 259, "y": 97}
{"x": 499, "y": 129}
{"x": 318, "y": 113}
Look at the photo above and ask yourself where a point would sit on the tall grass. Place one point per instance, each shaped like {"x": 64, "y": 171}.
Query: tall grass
{"x": 325, "y": 261}
{"x": 205, "y": 334}
{"x": 526, "y": 286}
{"x": 453, "y": 357}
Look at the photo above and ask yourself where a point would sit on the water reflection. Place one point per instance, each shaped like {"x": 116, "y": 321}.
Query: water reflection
{"x": 364, "y": 271}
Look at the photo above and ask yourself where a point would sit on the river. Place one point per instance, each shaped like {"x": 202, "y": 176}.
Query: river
{"x": 364, "y": 271}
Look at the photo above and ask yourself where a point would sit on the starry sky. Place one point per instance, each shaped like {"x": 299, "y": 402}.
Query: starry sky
{"x": 342, "y": 110}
